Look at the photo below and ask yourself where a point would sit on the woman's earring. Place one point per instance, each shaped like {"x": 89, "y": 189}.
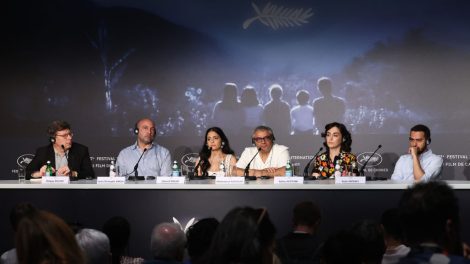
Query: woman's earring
{"x": 223, "y": 143}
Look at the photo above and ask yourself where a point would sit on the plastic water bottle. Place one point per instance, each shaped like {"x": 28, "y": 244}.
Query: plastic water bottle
{"x": 175, "y": 169}
{"x": 289, "y": 172}
{"x": 49, "y": 171}
{"x": 112, "y": 169}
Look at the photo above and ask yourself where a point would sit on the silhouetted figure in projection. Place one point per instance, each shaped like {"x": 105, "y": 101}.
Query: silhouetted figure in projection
{"x": 302, "y": 115}
{"x": 252, "y": 108}
{"x": 277, "y": 112}
{"x": 228, "y": 113}
{"x": 328, "y": 108}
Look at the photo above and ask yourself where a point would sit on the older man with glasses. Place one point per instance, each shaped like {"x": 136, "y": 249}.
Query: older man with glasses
{"x": 266, "y": 157}
{"x": 67, "y": 158}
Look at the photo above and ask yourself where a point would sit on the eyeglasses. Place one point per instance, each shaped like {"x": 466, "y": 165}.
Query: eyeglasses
{"x": 262, "y": 139}
{"x": 65, "y": 135}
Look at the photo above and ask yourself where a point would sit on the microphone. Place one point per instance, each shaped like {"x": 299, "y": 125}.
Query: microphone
{"x": 361, "y": 171}
{"x": 310, "y": 161}
{"x": 136, "y": 173}
{"x": 67, "y": 158}
{"x": 247, "y": 168}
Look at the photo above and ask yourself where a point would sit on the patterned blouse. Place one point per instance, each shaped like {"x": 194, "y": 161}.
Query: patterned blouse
{"x": 344, "y": 163}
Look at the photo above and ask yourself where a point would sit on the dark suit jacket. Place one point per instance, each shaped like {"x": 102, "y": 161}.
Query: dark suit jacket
{"x": 78, "y": 160}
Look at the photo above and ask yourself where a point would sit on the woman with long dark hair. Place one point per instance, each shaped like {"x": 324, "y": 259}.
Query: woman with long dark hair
{"x": 337, "y": 160}
{"x": 216, "y": 158}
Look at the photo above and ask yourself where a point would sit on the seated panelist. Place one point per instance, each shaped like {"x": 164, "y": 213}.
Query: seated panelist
{"x": 267, "y": 158}
{"x": 216, "y": 158}
{"x": 67, "y": 158}
{"x": 152, "y": 159}
{"x": 337, "y": 159}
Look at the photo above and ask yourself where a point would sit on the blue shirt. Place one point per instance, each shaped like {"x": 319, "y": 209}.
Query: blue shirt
{"x": 155, "y": 162}
{"x": 430, "y": 163}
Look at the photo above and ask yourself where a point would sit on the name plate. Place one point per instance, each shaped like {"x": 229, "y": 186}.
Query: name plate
{"x": 229, "y": 180}
{"x": 288, "y": 180}
{"x": 170, "y": 180}
{"x": 55, "y": 180}
{"x": 111, "y": 180}
{"x": 350, "y": 180}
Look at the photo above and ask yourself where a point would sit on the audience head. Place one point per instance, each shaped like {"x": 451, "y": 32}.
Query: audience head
{"x": 307, "y": 214}
{"x": 340, "y": 248}
{"x": 200, "y": 236}
{"x": 45, "y": 238}
{"x": 230, "y": 95}
{"x": 336, "y": 134}
{"x": 302, "y": 97}
{"x": 324, "y": 86}
{"x": 168, "y": 242}
{"x": 249, "y": 97}
{"x": 430, "y": 213}
{"x": 371, "y": 240}
{"x": 245, "y": 235}
{"x": 95, "y": 245}
{"x": 275, "y": 91}
{"x": 391, "y": 225}
{"x": 118, "y": 231}
{"x": 20, "y": 211}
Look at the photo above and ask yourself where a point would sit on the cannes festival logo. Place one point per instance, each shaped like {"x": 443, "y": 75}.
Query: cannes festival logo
{"x": 24, "y": 160}
{"x": 374, "y": 160}
{"x": 189, "y": 159}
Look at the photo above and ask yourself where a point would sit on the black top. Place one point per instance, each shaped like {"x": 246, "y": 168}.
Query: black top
{"x": 78, "y": 160}
{"x": 298, "y": 248}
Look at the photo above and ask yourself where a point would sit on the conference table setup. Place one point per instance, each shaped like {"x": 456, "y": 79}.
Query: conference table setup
{"x": 91, "y": 202}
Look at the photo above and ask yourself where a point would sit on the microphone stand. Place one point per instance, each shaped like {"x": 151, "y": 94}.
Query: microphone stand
{"x": 306, "y": 176}
{"x": 361, "y": 171}
{"x": 136, "y": 173}
{"x": 247, "y": 168}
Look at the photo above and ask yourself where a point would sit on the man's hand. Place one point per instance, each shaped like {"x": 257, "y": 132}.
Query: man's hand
{"x": 413, "y": 151}
{"x": 64, "y": 171}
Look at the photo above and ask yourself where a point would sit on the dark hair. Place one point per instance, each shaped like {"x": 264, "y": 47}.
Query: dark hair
{"x": 371, "y": 240}
{"x": 425, "y": 210}
{"x": 275, "y": 91}
{"x": 324, "y": 85}
{"x": 245, "y": 235}
{"x": 20, "y": 211}
{"x": 249, "y": 97}
{"x": 306, "y": 213}
{"x": 390, "y": 221}
{"x": 118, "y": 230}
{"x": 45, "y": 238}
{"x": 205, "y": 153}
{"x": 229, "y": 99}
{"x": 200, "y": 237}
{"x": 57, "y": 125}
{"x": 343, "y": 247}
{"x": 347, "y": 139}
{"x": 302, "y": 97}
{"x": 422, "y": 128}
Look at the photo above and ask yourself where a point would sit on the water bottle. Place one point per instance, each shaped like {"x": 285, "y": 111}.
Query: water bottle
{"x": 112, "y": 169}
{"x": 175, "y": 169}
{"x": 289, "y": 172}
{"x": 49, "y": 171}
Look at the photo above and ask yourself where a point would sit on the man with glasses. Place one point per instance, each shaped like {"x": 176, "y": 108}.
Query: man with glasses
{"x": 267, "y": 158}
{"x": 67, "y": 158}
{"x": 420, "y": 164}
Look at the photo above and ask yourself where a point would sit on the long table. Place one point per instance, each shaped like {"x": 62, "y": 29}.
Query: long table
{"x": 145, "y": 203}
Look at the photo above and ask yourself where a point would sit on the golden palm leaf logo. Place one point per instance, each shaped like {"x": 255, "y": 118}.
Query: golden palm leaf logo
{"x": 278, "y": 16}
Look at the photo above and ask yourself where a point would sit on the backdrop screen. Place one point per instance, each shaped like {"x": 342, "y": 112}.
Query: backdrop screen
{"x": 103, "y": 64}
